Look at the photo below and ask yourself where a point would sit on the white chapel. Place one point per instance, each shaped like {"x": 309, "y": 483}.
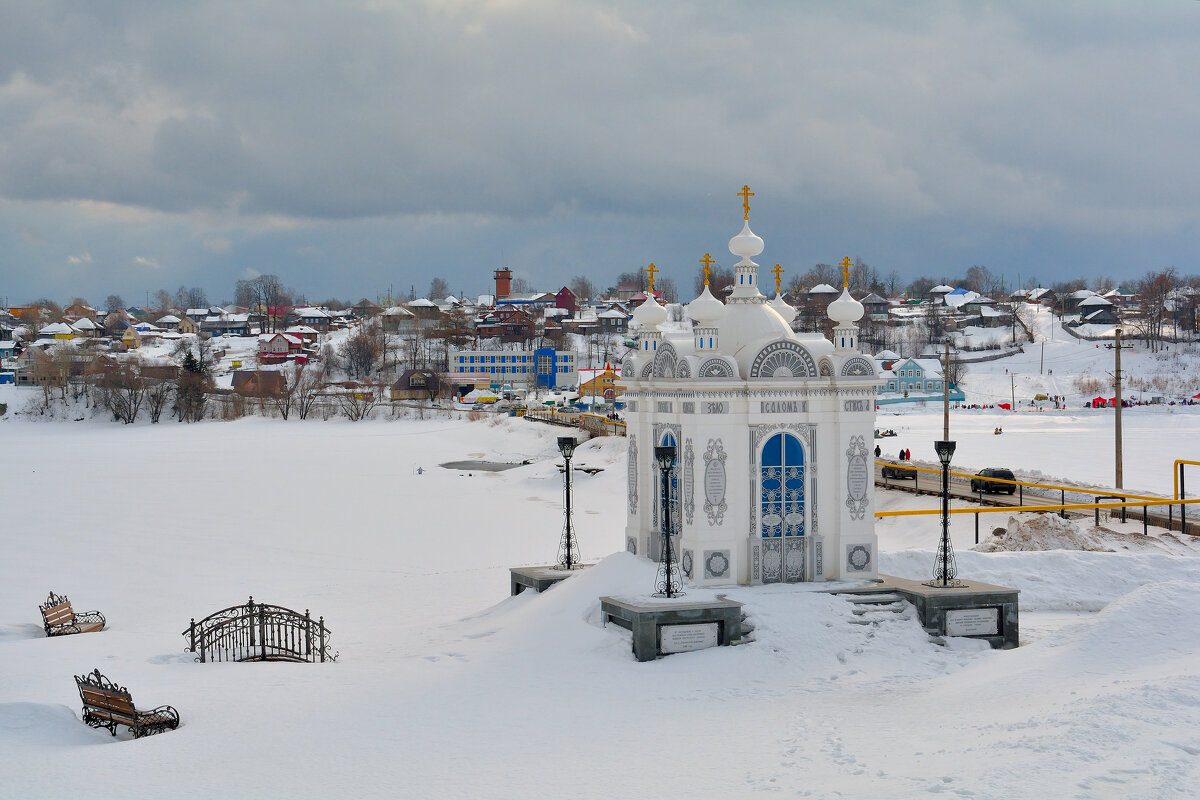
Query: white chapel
{"x": 774, "y": 478}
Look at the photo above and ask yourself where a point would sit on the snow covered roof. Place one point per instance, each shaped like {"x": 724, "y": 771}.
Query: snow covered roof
{"x": 397, "y": 311}
{"x": 1080, "y": 294}
{"x": 85, "y": 324}
{"x": 873, "y": 298}
{"x": 613, "y": 313}
{"x": 169, "y": 319}
{"x": 422, "y": 302}
{"x": 301, "y": 329}
{"x": 1095, "y": 300}
{"x": 56, "y": 328}
{"x": 1038, "y": 293}
{"x": 886, "y": 355}
{"x": 311, "y": 312}
{"x": 822, "y": 288}
{"x": 959, "y": 298}
{"x": 941, "y": 289}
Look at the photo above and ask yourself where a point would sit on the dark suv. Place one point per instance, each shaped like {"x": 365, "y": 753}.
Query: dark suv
{"x": 981, "y": 483}
{"x": 897, "y": 472}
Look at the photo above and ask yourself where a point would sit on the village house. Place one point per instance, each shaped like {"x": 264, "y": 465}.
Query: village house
{"x": 259, "y": 383}
{"x": 416, "y": 384}
{"x": 274, "y": 348}
{"x": 599, "y": 384}
{"x": 57, "y": 330}
{"x": 397, "y": 319}
{"x": 79, "y": 310}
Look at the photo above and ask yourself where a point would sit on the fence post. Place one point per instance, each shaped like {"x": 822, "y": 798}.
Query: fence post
{"x": 192, "y": 636}
{"x": 321, "y": 641}
{"x": 250, "y": 616}
{"x": 262, "y": 630}
{"x": 1145, "y": 521}
{"x": 1062, "y": 512}
{"x": 307, "y": 635}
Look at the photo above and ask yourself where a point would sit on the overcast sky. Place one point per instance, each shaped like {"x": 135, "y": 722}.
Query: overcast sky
{"x": 350, "y": 146}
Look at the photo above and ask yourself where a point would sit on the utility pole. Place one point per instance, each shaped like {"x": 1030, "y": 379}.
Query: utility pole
{"x": 1117, "y": 427}
{"x": 1012, "y": 381}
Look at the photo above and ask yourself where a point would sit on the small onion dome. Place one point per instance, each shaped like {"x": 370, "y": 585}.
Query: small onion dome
{"x": 706, "y": 309}
{"x": 845, "y": 308}
{"x": 649, "y": 314}
{"x": 780, "y": 305}
{"x": 746, "y": 244}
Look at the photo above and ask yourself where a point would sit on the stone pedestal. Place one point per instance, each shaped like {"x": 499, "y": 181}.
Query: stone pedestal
{"x": 975, "y": 609}
{"x": 538, "y": 578}
{"x": 674, "y": 626}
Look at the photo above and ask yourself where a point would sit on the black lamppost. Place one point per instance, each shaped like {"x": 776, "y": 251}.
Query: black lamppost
{"x": 668, "y": 579}
{"x": 567, "y": 547}
{"x": 944, "y": 570}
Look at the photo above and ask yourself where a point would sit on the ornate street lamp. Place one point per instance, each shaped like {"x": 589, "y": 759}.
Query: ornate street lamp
{"x": 567, "y": 547}
{"x": 944, "y": 569}
{"x": 668, "y": 580}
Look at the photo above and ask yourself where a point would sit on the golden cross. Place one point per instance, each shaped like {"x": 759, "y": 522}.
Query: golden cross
{"x": 707, "y": 262}
{"x": 846, "y": 264}
{"x": 777, "y": 272}
{"x": 652, "y": 271}
{"x": 746, "y": 194}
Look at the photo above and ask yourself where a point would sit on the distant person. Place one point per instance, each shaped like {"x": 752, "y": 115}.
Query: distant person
{"x": 878, "y": 451}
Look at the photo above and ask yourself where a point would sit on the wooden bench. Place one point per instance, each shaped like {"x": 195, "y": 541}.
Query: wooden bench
{"x": 106, "y": 705}
{"x": 60, "y": 619}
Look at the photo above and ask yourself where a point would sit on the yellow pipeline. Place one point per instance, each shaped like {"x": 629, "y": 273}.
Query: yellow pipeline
{"x": 1001, "y": 509}
{"x": 936, "y": 471}
{"x": 1175, "y": 473}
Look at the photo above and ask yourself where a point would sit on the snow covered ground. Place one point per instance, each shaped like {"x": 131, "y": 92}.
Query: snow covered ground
{"x": 447, "y": 688}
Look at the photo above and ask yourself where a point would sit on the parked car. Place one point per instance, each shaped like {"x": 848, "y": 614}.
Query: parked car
{"x": 981, "y": 483}
{"x": 898, "y": 473}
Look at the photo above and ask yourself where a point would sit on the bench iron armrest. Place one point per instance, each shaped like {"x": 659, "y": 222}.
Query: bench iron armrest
{"x": 89, "y": 616}
{"x": 156, "y": 721}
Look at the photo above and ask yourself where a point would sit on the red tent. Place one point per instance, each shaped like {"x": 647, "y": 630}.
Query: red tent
{"x": 1099, "y": 402}
{"x": 1196, "y": 397}
{"x": 1006, "y": 406}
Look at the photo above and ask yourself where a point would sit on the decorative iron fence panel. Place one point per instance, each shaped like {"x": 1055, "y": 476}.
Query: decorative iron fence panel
{"x": 259, "y": 632}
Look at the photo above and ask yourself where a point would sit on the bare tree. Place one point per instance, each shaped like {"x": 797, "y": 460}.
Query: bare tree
{"x": 194, "y": 297}
{"x": 583, "y": 288}
{"x": 158, "y": 392}
{"x": 267, "y": 294}
{"x": 357, "y": 403}
{"x": 114, "y": 302}
{"x": 363, "y": 349}
{"x": 121, "y": 388}
{"x": 309, "y": 383}
{"x": 438, "y": 288}
{"x": 1156, "y": 290}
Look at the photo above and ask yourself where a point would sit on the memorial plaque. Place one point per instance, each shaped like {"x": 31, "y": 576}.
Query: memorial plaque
{"x": 973, "y": 622}
{"x": 684, "y": 638}
{"x": 714, "y": 482}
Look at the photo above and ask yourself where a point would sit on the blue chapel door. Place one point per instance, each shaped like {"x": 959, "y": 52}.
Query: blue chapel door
{"x": 781, "y": 509}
